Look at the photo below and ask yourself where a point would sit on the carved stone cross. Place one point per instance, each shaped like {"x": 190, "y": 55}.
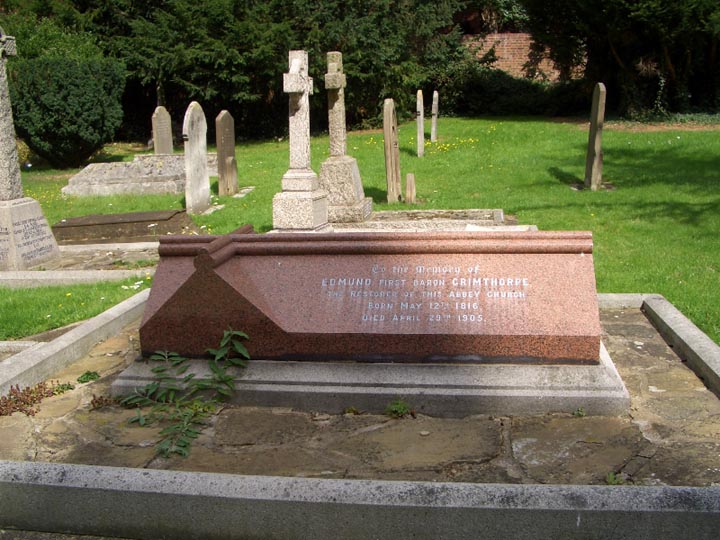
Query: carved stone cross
{"x": 299, "y": 85}
{"x": 335, "y": 83}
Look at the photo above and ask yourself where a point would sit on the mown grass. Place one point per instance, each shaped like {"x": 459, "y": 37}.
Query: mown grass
{"x": 657, "y": 231}
{"x": 30, "y": 311}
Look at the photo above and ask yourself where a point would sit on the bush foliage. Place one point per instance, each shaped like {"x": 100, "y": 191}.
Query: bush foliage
{"x": 66, "y": 111}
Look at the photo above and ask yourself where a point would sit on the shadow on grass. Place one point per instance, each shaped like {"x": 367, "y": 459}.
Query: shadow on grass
{"x": 379, "y": 196}
{"x": 564, "y": 177}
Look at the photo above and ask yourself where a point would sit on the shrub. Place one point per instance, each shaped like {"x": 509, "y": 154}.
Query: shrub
{"x": 65, "y": 110}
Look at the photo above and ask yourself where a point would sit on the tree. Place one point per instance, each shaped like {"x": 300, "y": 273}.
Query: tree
{"x": 654, "y": 55}
{"x": 65, "y": 94}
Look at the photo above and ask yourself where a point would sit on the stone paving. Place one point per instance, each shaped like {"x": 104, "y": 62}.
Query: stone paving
{"x": 670, "y": 436}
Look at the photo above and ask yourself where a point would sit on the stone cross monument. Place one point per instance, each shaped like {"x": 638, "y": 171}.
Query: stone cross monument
{"x": 302, "y": 205}
{"x": 25, "y": 237}
{"x": 339, "y": 174}
{"x": 594, "y": 159}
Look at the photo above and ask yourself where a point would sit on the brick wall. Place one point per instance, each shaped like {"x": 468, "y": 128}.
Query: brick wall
{"x": 512, "y": 51}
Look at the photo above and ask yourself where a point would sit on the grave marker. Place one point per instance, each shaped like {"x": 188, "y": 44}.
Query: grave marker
{"x": 410, "y": 188}
{"x": 392, "y": 152}
{"x": 227, "y": 166}
{"x": 25, "y": 237}
{"x": 301, "y": 205}
{"x": 433, "y": 124}
{"x": 420, "y": 115}
{"x": 162, "y": 131}
{"x": 197, "y": 183}
{"x": 339, "y": 174}
{"x": 594, "y": 160}
{"x": 524, "y": 298}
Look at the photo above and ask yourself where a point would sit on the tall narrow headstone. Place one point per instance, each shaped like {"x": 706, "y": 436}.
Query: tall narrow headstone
{"x": 227, "y": 166}
{"x": 433, "y": 124}
{"x": 339, "y": 174}
{"x": 162, "y": 131}
{"x": 197, "y": 182}
{"x": 410, "y": 188}
{"x": 392, "y": 152}
{"x": 420, "y": 115}
{"x": 25, "y": 238}
{"x": 302, "y": 205}
{"x": 594, "y": 160}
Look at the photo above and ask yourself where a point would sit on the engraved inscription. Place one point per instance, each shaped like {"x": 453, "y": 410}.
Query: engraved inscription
{"x": 442, "y": 294}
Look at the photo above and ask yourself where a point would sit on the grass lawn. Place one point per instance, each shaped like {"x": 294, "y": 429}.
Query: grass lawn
{"x": 658, "y": 231}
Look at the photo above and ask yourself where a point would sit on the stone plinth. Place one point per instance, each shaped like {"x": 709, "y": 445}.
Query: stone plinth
{"x": 380, "y": 297}
{"x": 304, "y": 210}
{"x": 25, "y": 236}
{"x": 340, "y": 178}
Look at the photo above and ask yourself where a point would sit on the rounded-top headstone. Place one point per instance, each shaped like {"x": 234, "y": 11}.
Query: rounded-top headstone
{"x": 197, "y": 183}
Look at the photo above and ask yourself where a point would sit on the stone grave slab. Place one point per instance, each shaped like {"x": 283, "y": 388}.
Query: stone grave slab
{"x": 128, "y": 227}
{"x": 146, "y": 174}
{"x": 483, "y": 297}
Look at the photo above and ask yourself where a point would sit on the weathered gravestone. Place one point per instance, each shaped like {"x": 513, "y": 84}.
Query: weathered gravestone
{"x": 227, "y": 166}
{"x": 25, "y": 237}
{"x": 197, "y": 184}
{"x": 420, "y": 117}
{"x": 433, "y": 124}
{"x": 162, "y": 131}
{"x": 301, "y": 205}
{"x": 146, "y": 174}
{"x": 410, "y": 188}
{"x": 392, "y": 152}
{"x": 339, "y": 174}
{"x": 385, "y": 297}
{"x": 594, "y": 159}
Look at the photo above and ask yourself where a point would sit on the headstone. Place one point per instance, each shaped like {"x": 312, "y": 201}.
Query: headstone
{"x": 392, "y": 152}
{"x": 197, "y": 183}
{"x": 594, "y": 160}
{"x": 410, "y": 188}
{"x": 420, "y": 116}
{"x": 433, "y": 125}
{"x": 302, "y": 205}
{"x": 523, "y": 298}
{"x": 227, "y": 166}
{"x": 25, "y": 237}
{"x": 339, "y": 174}
{"x": 162, "y": 131}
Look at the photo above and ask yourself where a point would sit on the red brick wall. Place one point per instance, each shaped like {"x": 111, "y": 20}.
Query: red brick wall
{"x": 512, "y": 51}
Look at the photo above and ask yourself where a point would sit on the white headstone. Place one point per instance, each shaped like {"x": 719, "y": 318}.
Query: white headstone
{"x": 433, "y": 124}
{"x": 25, "y": 237}
{"x": 162, "y": 131}
{"x": 301, "y": 206}
{"x": 197, "y": 183}
{"x": 420, "y": 115}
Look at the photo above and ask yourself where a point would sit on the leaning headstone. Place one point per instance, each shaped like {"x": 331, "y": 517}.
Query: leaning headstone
{"x": 25, "y": 236}
{"x": 197, "y": 183}
{"x": 227, "y": 166}
{"x": 339, "y": 174}
{"x": 302, "y": 205}
{"x": 392, "y": 152}
{"x": 410, "y": 188}
{"x": 420, "y": 116}
{"x": 594, "y": 160}
{"x": 162, "y": 131}
{"x": 433, "y": 124}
